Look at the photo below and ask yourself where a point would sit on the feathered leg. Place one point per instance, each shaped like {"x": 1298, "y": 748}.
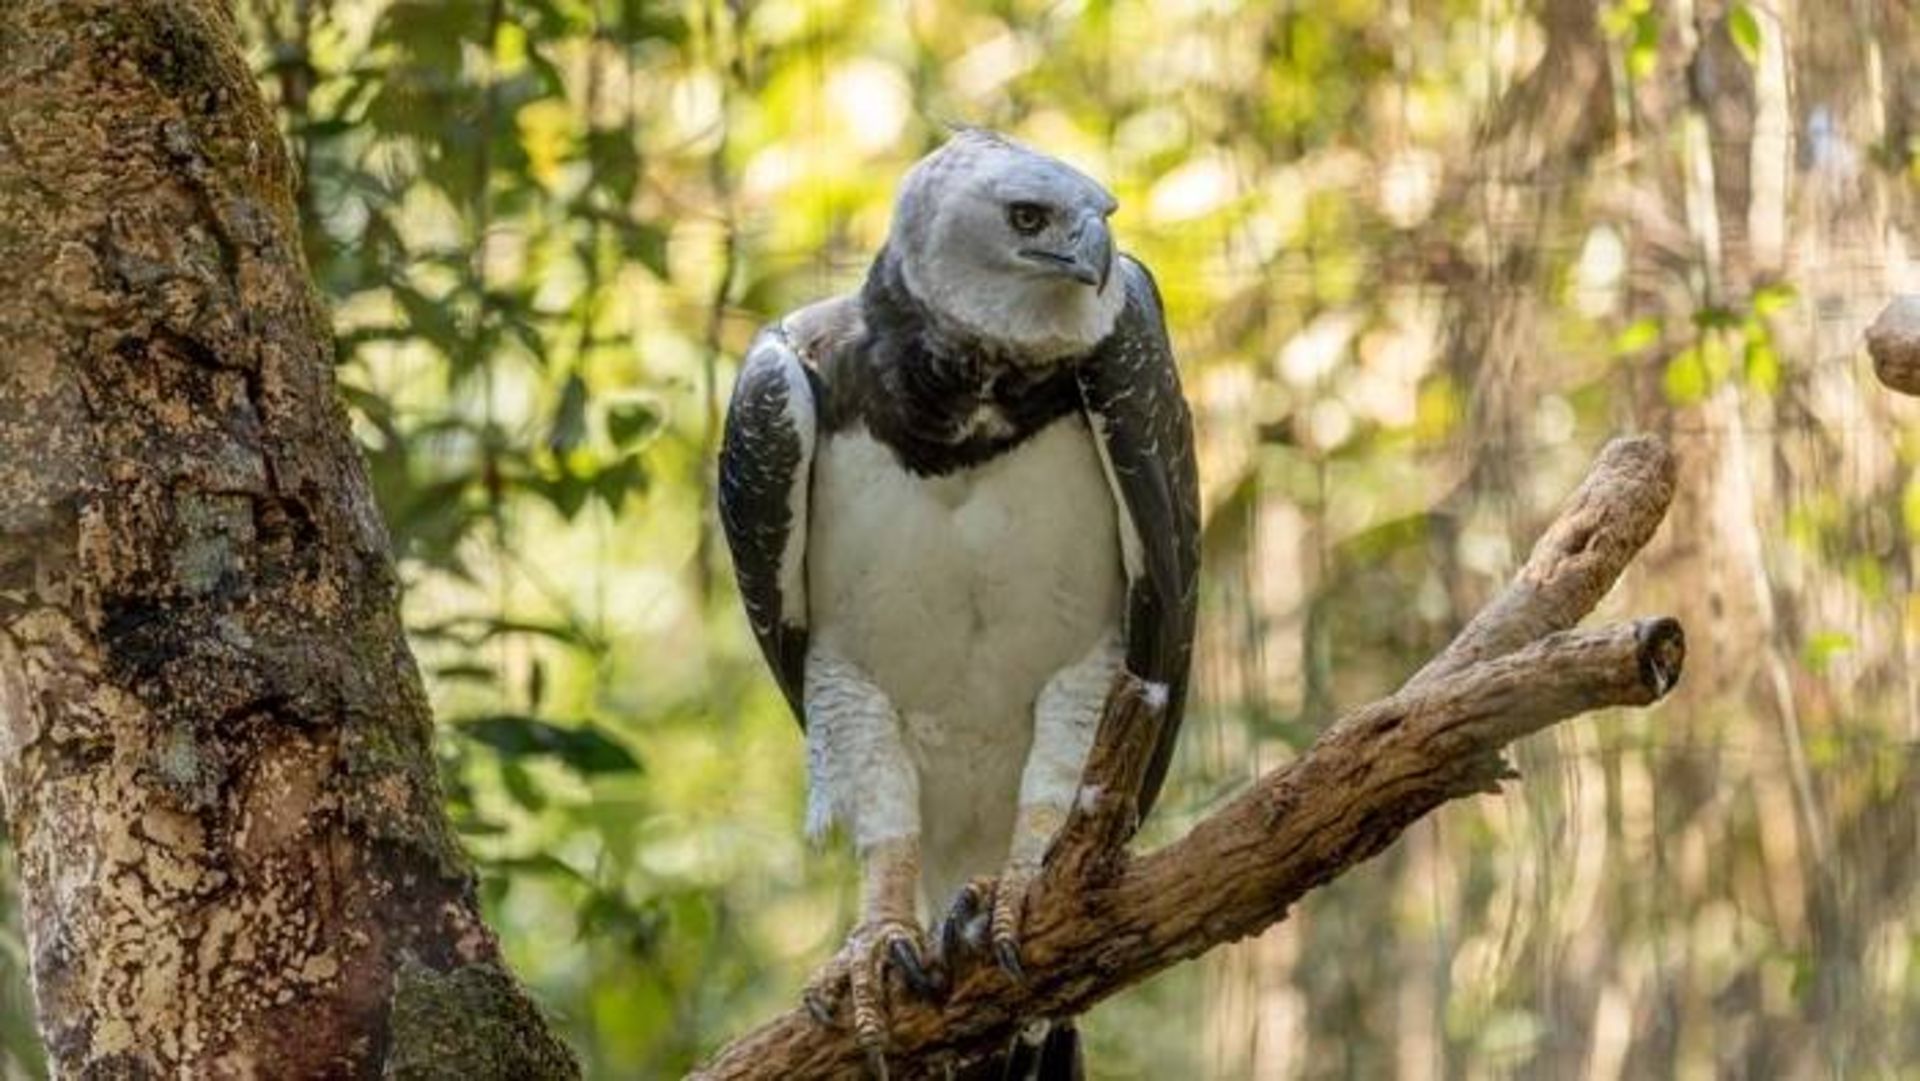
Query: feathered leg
{"x": 989, "y": 912}
{"x": 859, "y": 773}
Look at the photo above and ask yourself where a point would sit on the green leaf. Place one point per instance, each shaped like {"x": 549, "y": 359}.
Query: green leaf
{"x": 429, "y": 318}
{"x": 647, "y": 243}
{"x": 1685, "y": 381}
{"x": 537, "y": 683}
{"x": 614, "y": 483}
{"x": 1745, "y": 30}
{"x": 1762, "y": 365}
{"x": 583, "y": 747}
{"x": 1716, "y": 317}
{"x": 540, "y": 863}
{"x": 520, "y": 785}
{"x": 466, "y": 673}
{"x": 569, "y": 417}
{"x": 1636, "y": 336}
{"x": 471, "y": 631}
{"x": 1823, "y": 646}
{"x": 607, "y": 916}
{"x": 566, "y": 491}
{"x": 1774, "y": 298}
{"x": 1643, "y": 54}
{"x": 630, "y": 421}
{"x": 616, "y": 162}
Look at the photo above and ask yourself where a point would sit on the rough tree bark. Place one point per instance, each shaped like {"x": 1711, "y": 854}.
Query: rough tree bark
{"x": 214, "y": 747}
{"x": 1101, "y": 918}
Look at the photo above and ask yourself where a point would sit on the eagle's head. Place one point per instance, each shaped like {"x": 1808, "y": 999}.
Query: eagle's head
{"x": 1009, "y": 245}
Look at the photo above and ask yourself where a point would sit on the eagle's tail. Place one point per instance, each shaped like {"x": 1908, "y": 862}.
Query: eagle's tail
{"x": 1048, "y": 1051}
{"x": 1056, "y": 1057}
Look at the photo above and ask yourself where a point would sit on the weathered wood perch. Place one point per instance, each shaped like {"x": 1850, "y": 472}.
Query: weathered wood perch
{"x": 1894, "y": 343}
{"x": 1102, "y": 918}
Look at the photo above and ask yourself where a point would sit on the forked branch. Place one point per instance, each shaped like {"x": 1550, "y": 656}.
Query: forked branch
{"x": 1101, "y": 919}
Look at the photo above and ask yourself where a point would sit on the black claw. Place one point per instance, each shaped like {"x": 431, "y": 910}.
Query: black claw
{"x": 1007, "y": 952}
{"x": 817, "y": 1010}
{"x": 906, "y": 958}
{"x": 953, "y": 930}
{"x": 950, "y": 939}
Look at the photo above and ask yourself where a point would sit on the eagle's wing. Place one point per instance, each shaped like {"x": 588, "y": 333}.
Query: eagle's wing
{"x": 766, "y": 475}
{"x": 766, "y": 469}
{"x": 1131, "y": 392}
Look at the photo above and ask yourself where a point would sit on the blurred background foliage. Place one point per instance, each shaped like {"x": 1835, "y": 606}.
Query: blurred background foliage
{"x": 1421, "y": 259}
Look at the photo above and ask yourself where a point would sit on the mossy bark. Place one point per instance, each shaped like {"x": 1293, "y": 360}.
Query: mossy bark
{"x": 214, "y": 748}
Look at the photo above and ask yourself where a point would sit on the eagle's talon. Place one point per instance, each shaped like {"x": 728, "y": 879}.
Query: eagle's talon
{"x": 851, "y": 989}
{"x": 964, "y": 930}
{"x": 1009, "y": 915}
{"x": 817, "y": 1008}
{"x": 987, "y": 917}
{"x": 825, "y": 990}
{"x": 1006, "y": 951}
{"x": 904, "y": 952}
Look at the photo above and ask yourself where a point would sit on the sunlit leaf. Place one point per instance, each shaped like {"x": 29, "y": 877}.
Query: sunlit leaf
{"x": 1774, "y": 298}
{"x": 1762, "y": 367}
{"x": 1824, "y": 645}
{"x": 1437, "y": 410}
{"x": 1745, "y": 31}
{"x": 1686, "y": 381}
{"x": 1643, "y": 51}
{"x": 1637, "y": 335}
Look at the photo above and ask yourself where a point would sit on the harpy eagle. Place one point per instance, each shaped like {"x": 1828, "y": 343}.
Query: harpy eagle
{"x": 958, "y": 501}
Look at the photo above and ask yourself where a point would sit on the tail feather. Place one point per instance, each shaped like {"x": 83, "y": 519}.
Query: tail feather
{"x": 1060, "y": 1055}
{"x": 1047, "y": 1051}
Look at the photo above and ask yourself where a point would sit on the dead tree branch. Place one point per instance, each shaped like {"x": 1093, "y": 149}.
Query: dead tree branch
{"x": 1894, "y": 343}
{"x": 1102, "y": 919}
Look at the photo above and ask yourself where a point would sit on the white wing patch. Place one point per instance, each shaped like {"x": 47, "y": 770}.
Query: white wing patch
{"x": 801, "y": 415}
{"x": 1132, "y": 553}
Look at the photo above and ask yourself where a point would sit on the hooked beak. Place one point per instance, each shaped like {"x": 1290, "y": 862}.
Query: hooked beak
{"x": 1089, "y": 256}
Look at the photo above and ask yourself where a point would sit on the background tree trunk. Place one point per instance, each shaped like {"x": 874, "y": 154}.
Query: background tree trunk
{"x": 214, "y": 746}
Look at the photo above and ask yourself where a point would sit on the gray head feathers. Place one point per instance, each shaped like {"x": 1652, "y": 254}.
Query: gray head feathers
{"x": 1008, "y": 245}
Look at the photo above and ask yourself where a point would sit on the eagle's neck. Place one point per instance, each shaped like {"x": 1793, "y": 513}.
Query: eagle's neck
{"x": 942, "y": 398}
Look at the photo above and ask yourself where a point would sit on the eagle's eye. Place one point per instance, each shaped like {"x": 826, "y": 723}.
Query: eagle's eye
{"x": 1026, "y": 218}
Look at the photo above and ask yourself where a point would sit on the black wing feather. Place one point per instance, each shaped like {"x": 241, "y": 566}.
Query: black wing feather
{"x": 1130, "y": 388}
{"x": 766, "y": 465}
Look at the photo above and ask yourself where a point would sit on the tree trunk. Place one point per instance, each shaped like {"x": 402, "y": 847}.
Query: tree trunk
{"x": 214, "y": 747}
